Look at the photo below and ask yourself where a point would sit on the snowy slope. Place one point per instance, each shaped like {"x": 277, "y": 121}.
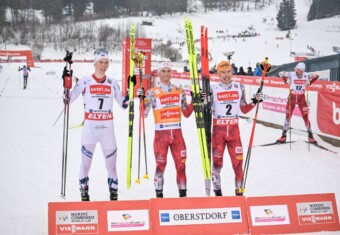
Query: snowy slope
{"x": 247, "y": 51}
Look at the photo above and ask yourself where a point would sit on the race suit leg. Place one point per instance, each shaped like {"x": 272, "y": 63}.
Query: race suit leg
{"x": 160, "y": 145}
{"x": 218, "y": 144}
{"x": 236, "y": 156}
{"x": 88, "y": 145}
{"x": 25, "y": 81}
{"x": 304, "y": 109}
{"x": 109, "y": 148}
{"x": 179, "y": 154}
{"x": 289, "y": 111}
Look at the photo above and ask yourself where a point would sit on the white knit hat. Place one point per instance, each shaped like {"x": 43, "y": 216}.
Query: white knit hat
{"x": 164, "y": 65}
{"x": 301, "y": 66}
{"x": 101, "y": 54}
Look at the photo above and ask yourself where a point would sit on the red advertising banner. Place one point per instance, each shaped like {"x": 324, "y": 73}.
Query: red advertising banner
{"x": 141, "y": 45}
{"x": 292, "y": 214}
{"x": 222, "y": 215}
{"x": 24, "y": 53}
{"x": 328, "y": 118}
{"x": 202, "y": 215}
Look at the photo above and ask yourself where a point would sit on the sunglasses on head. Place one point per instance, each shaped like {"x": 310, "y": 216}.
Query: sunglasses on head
{"x": 101, "y": 51}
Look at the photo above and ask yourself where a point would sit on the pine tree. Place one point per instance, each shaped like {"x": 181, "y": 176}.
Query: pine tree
{"x": 286, "y": 15}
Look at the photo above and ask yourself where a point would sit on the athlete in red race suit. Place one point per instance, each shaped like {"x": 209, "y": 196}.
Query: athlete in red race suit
{"x": 168, "y": 102}
{"x": 228, "y": 98}
{"x": 298, "y": 82}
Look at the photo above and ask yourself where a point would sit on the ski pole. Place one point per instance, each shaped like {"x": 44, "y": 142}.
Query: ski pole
{"x": 290, "y": 118}
{"x": 67, "y": 86}
{"x": 308, "y": 118}
{"x": 19, "y": 77}
{"x": 139, "y": 140}
{"x": 139, "y": 61}
{"x": 266, "y": 67}
{"x": 146, "y": 176}
{"x": 58, "y": 117}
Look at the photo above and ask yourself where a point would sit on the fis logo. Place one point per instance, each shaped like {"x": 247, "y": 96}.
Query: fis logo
{"x": 165, "y": 217}
{"x": 235, "y": 215}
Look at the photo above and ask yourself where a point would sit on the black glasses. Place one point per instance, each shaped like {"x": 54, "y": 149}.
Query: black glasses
{"x": 101, "y": 51}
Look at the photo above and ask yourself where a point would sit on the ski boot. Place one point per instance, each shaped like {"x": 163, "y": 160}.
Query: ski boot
{"x": 159, "y": 193}
{"x": 218, "y": 192}
{"x": 282, "y": 139}
{"x": 311, "y": 138}
{"x": 84, "y": 189}
{"x": 84, "y": 193}
{"x": 182, "y": 193}
{"x": 113, "y": 194}
{"x": 238, "y": 192}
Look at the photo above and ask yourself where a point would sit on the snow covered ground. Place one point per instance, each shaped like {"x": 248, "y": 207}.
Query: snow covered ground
{"x": 31, "y": 152}
{"x": 31, "y": 147}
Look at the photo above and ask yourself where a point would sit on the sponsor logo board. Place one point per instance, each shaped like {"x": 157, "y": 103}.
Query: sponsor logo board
{"x": 200, "y": 216}
{"x": 269, "y": 215}
{"x": 77, "y": 222}
{"x": 315, "y": 213}
{"x": 128, "y": 220}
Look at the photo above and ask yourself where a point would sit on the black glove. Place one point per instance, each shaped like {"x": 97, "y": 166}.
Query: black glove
{"x": 125, "y": 102}
{"x": 141, "y": 92}
{"x": 258, "y": 97}
{"x": 133, "y": 80}
{"x": 66, "y": 99}
{"x": 66, "y": 73}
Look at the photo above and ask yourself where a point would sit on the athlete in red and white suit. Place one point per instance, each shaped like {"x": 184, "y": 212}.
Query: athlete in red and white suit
{"x": 298, "y": 80}
{"x": 228, "y": 98}
{"x": 168, "y": 103}
{"x": 98, "y": 92}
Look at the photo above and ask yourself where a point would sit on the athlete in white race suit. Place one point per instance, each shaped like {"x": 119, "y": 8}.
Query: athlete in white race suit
{"x": 98, "y": 92}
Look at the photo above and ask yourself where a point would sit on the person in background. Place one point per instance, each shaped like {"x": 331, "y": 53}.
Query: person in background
{"x": 235, "y": 69}
{"x": 241, "y": 71}
{"x": 168, "y": 103}
{"x": 25, "y": 74}
{"x": 98, "y": 92}
{"x": 257, "y": 70}
{"x": 228, "y": 99}
{"x": 298, "y": 81}
{"x": 249, "y": 71}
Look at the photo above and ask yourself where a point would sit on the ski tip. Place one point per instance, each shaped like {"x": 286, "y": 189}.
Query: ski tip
{"x": 146, "y": 176}
{"x": 137, "y": 181}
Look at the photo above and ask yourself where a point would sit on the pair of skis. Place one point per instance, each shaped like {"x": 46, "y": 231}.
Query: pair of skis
{"x": 207, "y": 111}
{"x": 290, "y": 142}
{"x": 197, "y": 100}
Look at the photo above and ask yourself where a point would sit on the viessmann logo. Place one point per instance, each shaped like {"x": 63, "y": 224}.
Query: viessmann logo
{"x": 100, "y": 89}
{"x": 333, "y": 87}
{"x": 167, "y": 99}
{"x": 227, "y": 95}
